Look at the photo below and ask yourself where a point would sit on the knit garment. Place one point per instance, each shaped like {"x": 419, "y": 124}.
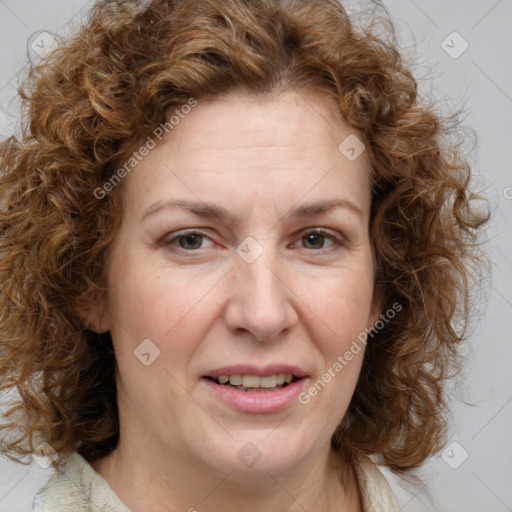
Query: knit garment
{"x": 78, "y": 488}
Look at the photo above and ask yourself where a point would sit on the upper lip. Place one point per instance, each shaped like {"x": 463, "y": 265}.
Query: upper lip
{"x": 260, "y": 371}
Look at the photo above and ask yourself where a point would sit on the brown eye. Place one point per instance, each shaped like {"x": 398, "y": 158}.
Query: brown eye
{"x": 191, "y": 241}
{"x": 314, "y": 241}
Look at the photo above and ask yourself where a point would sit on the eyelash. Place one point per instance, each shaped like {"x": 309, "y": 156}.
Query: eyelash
{"x": 168, "y": 242}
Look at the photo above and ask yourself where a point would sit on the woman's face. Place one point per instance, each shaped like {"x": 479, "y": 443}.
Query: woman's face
{"x": 244, "y": 251}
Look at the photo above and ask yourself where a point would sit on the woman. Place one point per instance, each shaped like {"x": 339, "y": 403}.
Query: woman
{"x": 235, "y": 256}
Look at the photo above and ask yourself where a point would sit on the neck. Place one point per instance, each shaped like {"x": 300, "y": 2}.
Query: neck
{"x": 144, "y": 481}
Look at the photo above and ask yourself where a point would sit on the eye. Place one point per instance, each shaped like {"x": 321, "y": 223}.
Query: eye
{"x": 188, "y": 241}
{"x": 316, "y": 239}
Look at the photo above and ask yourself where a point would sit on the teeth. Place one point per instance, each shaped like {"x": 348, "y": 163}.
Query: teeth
{"x": 235, "y": 380}
{"x": 251, "y": 381}
{"x": 268, "y": 382}
{"x": 254, "y": 381}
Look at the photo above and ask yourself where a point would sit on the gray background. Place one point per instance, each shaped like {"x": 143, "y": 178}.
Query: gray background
{"x": 479, "y": 78}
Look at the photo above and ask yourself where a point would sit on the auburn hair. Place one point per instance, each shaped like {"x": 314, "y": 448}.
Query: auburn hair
{"x": 106, "y": 88}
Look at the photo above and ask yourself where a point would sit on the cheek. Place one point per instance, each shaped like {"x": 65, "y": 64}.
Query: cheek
{"x": 165, "y": 311}
{"x": 343, "y": 303}
{"x": 344, "y": 308}
{"x": 162, "y": 305}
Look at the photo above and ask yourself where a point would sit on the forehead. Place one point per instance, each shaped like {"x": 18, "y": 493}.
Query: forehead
{"x": 243, "y": 120}
{"x": 240, "y": 143}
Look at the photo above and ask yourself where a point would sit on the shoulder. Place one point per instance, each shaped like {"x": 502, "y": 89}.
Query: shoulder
{"x": 375, "y": 490}
{"x": 76, "y": 486}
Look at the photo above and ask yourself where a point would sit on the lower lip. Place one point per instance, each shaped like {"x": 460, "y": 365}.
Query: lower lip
{"x": 258, "y": 401}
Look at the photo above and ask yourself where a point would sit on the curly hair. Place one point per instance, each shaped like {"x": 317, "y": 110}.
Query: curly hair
{"x": 108, "y": 87}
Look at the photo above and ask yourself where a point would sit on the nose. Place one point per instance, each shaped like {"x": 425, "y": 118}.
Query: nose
{"x": 259, "y": 299}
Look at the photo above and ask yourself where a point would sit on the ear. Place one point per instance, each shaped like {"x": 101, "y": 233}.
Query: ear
{"x": 90, "y": 308}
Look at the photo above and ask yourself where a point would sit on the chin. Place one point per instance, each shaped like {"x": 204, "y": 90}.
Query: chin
{"x": 251, "y": 455}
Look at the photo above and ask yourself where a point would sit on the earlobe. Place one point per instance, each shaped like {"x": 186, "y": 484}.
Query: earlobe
{"x": 90, "y": 308}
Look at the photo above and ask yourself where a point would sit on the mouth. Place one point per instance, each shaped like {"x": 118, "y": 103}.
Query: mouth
{"x": 255, "y": 383}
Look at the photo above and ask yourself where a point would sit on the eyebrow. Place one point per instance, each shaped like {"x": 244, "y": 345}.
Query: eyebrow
{"x": 210, "y": 210}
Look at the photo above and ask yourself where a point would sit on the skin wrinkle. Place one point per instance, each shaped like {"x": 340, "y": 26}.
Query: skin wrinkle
{"x": 228, "y": 313}
{"x": 91, "y": 106}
